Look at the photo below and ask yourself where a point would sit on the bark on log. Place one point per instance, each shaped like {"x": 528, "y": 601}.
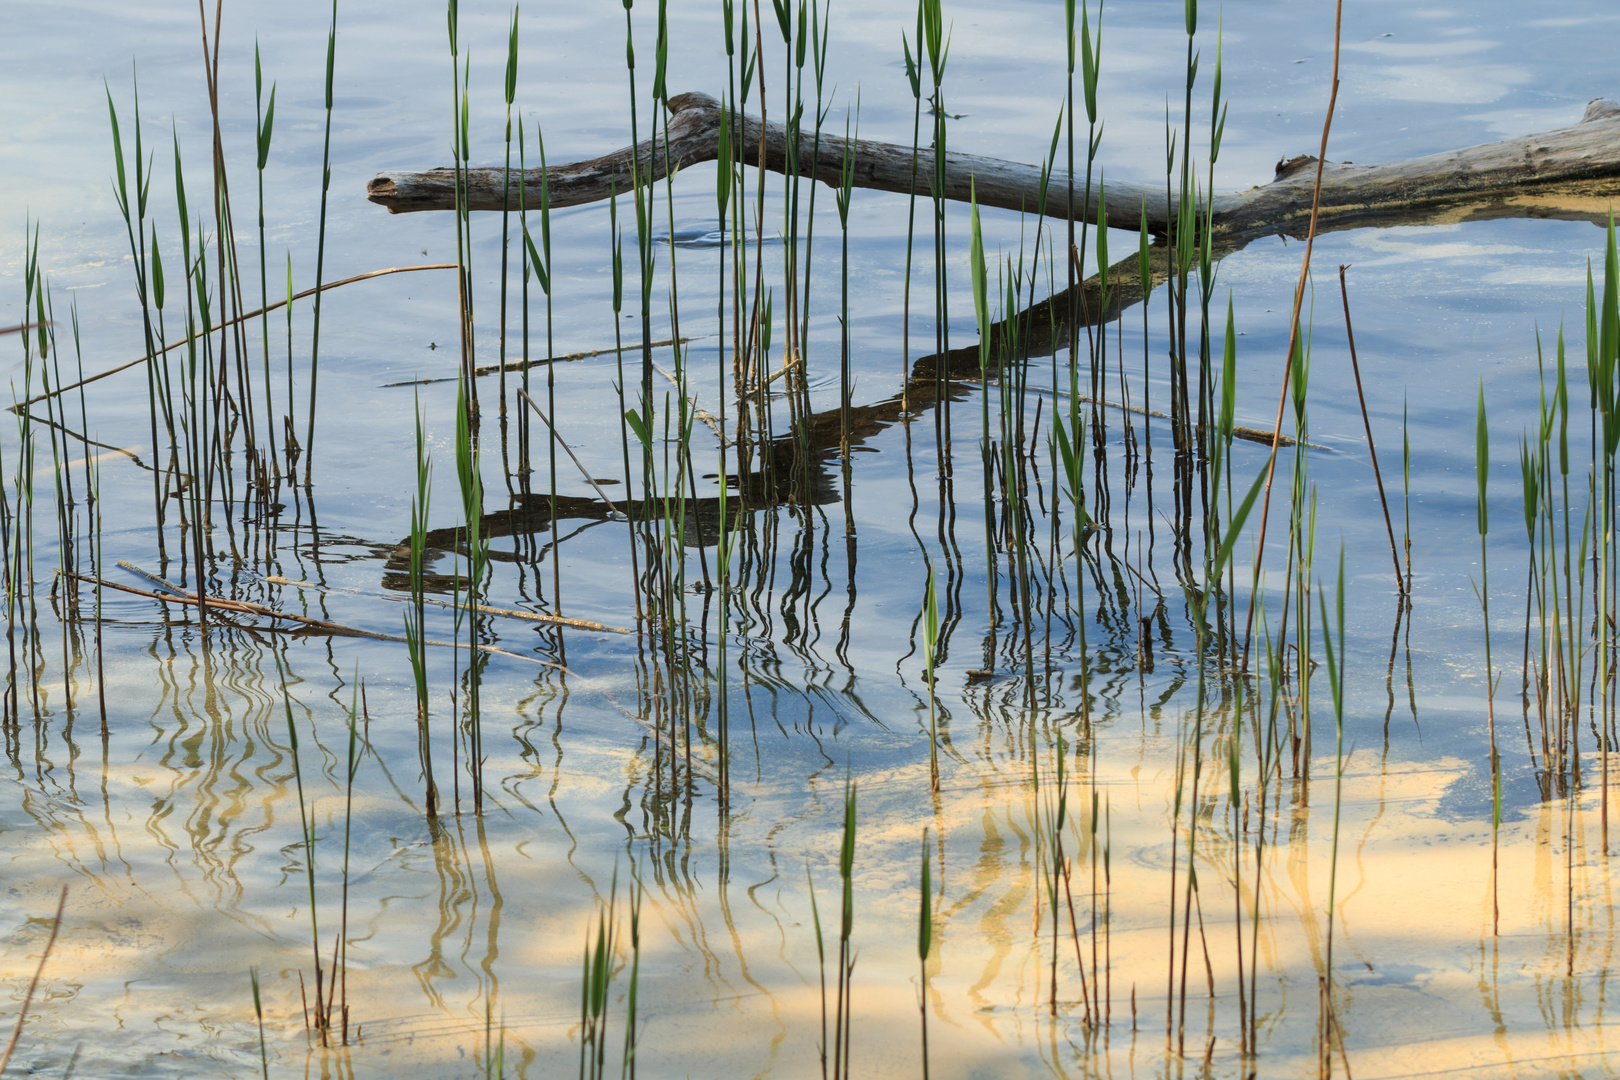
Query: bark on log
{"x": 1571, "y": 173}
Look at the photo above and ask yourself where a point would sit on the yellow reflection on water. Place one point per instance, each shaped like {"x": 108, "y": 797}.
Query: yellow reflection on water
{"x": 180, "y": 847}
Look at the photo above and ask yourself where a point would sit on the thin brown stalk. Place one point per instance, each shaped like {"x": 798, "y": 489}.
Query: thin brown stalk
{"x": 1293, "y": 329}
{"x": 1355, "y": 367}
{"x": 1079, "y": 958}
{"x": 16, "y": 1032}
{"x": 225, "y": 232}
{"x": 218, "y": 604}
{"x": 524, "y": 394}
{"x": 1249, "y": 434}
{"x": 231, "y": 322}
{"x": 523, "y": 365}
{"x": 510, "y": 613}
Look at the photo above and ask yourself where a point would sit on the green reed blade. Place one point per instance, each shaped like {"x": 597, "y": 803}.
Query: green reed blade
{"x": 925, "y": 913}
{"x": 1229, "y": 373}
{"x": 512, "y": 58}
{"x": 1235, "y": 527}
{"x": 544, "y": 277}
{"x": 258, "y": 1011}
{"x": 1090, "y": 59}
{"x": 267, "y": 127}
{"x": 157, "y": 271}
{"x": 1482, "y": 460}
{"x": 1530, "y": 472}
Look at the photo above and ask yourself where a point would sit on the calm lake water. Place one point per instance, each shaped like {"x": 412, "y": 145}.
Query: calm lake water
{"x": 178, "y": 836}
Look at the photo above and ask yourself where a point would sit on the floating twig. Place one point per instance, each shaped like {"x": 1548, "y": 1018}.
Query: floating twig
{"x": 510, "y": 613}
{"x": 232, "y": 322}
{"x": 245, "y": 608}
{"x": 24, "y": 328}
{"x": 704, "y": 415}
{"x": 1254, "y": 435}
{"x": 521, "y": 365}
{"x": 613, "y": 511}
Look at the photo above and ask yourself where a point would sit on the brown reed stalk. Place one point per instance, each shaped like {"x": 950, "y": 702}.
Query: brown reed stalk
{"x": 1355, "y": 367}
{"x": 33, "y": 985}
{"x": 1293, "y": 329}
{"x": 369, "y": 274}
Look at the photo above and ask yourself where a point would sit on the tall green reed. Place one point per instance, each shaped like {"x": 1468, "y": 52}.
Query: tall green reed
{"x": 925, "y": 941}
{"x": 846, "y": 189}
{"x": 264, "y": 127}
{"x": 1482, "y": 470}
{"x": 939, "y": 45}
{"x": 644, "y": 245}
{"x": 617, "y": 262}
{"x": 1329, "y": 1024}
{"x": 914, "y": 77}
{"x": 258, "y": 1013}
{"x": 134, "y": 225}
{"x": 415, "y": 612}
{"x": 627, "y": 1069}
{"x": 306, "y": 821}
{"x": 595, "y": 987}
{"x": 470, "y": 478}
{"x": 846, "y": 926}
{"x": 510, "y": 88}
{"x": 539, "y": 261}
{"x": 461, "y": 154}
{"x": 821, "y": 965}
{"x": 1603, "y": 364}
{"x": 238, "y": 413}
{"x": 320, "y": 252}
{"x": 931, "y": 652}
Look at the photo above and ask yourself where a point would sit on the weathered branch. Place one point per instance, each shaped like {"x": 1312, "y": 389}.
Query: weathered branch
{"x": 1567, "y": 173}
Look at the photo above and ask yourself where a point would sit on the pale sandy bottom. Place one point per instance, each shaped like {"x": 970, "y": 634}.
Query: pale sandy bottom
{"x": 181, "y": 879}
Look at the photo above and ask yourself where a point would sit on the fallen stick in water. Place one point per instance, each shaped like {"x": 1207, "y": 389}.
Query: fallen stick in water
{"x": 1570, "y": 172}
{"x": 330, "y": 285}
{"x": 1255, "y": 435}
{"x": 523, "y": 365}
{"x": 526, "y": 616}
{"x": 24, "y": 328}
{"x": 243, "y": 607}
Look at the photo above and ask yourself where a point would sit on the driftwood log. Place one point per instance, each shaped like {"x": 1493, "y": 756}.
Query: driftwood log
{"x": 1569, "y": 173}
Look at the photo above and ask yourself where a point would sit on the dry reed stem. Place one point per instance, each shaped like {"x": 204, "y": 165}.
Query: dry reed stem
{"x": 231, "y": 322}
{"x": 1254, "y": 435}
{"x": 524, "y": 394}
{"x": 1293, "y": 329}
{"x": 1355, "y": 367}
{"x": 511, "y": 613}
{"x": 245, "y": 608}
{"x": 16, "y": 1032}
{"x": 704, "y": 415}
{"x": 523, "y": 365}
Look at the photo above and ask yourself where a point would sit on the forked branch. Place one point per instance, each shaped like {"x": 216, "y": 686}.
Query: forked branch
{"x": 1571, "y": 173}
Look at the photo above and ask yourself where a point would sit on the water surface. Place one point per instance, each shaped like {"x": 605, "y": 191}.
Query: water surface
{"x": 178, "y": 836}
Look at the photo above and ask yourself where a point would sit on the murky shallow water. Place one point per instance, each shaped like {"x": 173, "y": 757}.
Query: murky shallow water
{"x": 179, "y": 838}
